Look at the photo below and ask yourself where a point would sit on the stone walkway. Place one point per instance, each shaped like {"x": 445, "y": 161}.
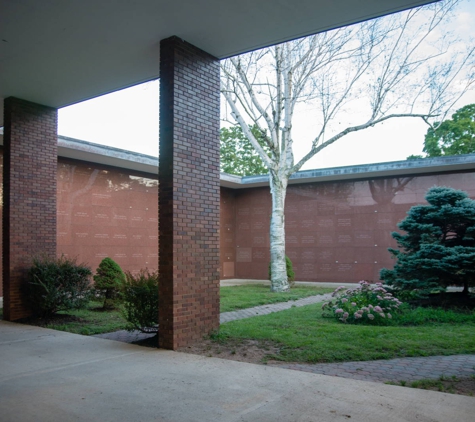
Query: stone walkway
{"x": 394, "y": 370}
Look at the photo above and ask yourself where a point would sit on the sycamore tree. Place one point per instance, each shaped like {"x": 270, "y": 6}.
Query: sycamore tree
{"x": 352, "y": 78}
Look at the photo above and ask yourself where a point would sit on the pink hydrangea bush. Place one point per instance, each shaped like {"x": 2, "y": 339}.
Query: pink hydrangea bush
{"x": 367, "y": 303}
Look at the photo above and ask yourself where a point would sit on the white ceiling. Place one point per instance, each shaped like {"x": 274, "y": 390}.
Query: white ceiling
{"x": 59, "y": 52}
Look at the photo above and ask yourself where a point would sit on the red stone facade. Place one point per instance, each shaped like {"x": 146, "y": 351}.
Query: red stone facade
{"x": 107, "y": 212}
{"x": 335, "y": 231}
{"x": 29, "y": 195}
{"x": 188, "y": 193}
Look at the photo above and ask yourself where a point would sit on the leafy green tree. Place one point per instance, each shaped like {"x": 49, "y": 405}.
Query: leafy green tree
{"x": 238, "y": 156}
{"x": 439, "y": 247}
{"x": 108, "y": 282}
{"x": 453, "y": 136}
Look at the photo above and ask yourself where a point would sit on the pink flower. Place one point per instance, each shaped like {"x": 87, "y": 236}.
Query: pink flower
{"x": 353, "y": 304}
{"x": 345, "y": 315}
{"x": 389, "y": 315}
{"x": 339, "y": 311}
{"x": 370, "y": 306}
{"x": 357, "y": 315}
{"x": 344, "y": 300}
{"x": 371, "y": 316}
{"x": 378, "y": 309}
{"x": 381, "y": 314}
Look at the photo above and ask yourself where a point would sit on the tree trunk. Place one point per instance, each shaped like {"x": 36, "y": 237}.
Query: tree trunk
{"x": 278, "y": 185}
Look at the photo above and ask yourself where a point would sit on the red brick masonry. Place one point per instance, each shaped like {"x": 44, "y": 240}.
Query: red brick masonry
{"x": 188, "y": 193}
{"x": 29, "y": 196}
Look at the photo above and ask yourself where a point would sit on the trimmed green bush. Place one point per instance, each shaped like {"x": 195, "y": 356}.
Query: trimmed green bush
{"x": 108, "y": 282}
{"x": 141, "y": 301}
{"x": 58, "y": 284}
{"x": 290, "y": 271}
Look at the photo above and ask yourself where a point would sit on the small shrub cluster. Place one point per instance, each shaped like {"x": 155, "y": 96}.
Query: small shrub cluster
{"x": 141, "y": 301}
{"x": 108, "y": 282}
{"x": 57, "y": 284}
{"x": 367, "y": 303}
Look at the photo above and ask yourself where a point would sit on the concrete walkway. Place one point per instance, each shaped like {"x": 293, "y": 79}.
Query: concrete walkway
{"x": 53, "y": 376}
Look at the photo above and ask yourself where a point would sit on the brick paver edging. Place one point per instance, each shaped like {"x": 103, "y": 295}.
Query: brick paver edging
{"x": 394, "y": 370}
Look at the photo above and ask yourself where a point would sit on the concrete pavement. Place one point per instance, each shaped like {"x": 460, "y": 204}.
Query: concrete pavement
{"x": 48, "y": 375}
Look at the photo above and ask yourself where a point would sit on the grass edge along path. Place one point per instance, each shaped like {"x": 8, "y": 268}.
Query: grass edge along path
{"x": 303, "y": 335}
{"x": 94, "y": 320}
{"x": 233, "y": 298}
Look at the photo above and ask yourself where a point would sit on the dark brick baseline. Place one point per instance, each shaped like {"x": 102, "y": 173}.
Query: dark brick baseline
{"x": 29, "y": 195}
{"x": 188, "y": 193}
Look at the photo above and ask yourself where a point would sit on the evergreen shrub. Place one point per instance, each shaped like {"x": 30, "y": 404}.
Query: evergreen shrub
{"x": 438, "y": 248}
{"x": 108, "y": 282}
{"x": 57, "y": 284}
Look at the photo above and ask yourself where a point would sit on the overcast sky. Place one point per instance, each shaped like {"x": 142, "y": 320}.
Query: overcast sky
{"x": 128, "y": 119}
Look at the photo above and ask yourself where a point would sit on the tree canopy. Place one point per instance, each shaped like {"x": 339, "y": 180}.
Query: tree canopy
{"x": 453, "y": 136}
{"x": 238, "y": 156}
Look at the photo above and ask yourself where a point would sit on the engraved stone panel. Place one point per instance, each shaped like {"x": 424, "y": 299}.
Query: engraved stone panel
{"x": 325, "y": 239}
{"x": 244, "y": 255}
{"x": 344, "y": 238}
{"x": 344, "y": 222}
{"x": 308, "y": 240}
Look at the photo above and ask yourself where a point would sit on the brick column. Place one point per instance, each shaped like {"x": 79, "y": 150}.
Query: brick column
{"x": 29, "y": 195}
{"x": 188, "y": 193}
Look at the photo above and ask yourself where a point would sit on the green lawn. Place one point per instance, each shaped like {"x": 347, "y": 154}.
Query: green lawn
{"x": 89, "y": 321}
{"x": 93, "y": 320}
{"x": 305, "y": 336}
{"x": 249, "y": 295}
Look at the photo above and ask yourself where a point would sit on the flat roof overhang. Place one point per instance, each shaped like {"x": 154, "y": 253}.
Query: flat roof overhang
{"x": 57, "y": 53}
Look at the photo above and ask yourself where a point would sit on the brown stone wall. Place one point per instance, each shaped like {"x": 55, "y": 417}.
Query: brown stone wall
{"x": 29, "y": 195}
{"x": 107, "y": 212}
{"x": 336, "y": 231}
{"x": 188, "y": 193}
{"x": 227, "y": 235}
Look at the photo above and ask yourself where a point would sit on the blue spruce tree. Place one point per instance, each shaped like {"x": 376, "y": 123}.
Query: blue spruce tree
{"x": 438, "y": 248}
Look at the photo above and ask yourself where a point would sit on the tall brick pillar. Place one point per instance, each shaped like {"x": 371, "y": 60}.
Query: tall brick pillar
{"x": 29, "y": 195}
{"x": 188, "y": 193}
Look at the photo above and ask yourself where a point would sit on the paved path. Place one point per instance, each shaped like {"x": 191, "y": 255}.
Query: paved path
{"x": 268, "y": 309}
{"x": 395, "y": 370}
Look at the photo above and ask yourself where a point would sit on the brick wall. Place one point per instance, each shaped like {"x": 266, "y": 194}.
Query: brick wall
{"x": 29, "y": 195}
{"x": 188, "y": 193}
{"x": 335, "y": 231}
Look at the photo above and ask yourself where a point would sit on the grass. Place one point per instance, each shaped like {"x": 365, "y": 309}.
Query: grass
{"x": 93, "y": 320}
{"x": 89, "y": 321}
{"x": 250, "y": 295}
{"x": 305, "y": 336}
{"x": 452, "y": 385}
